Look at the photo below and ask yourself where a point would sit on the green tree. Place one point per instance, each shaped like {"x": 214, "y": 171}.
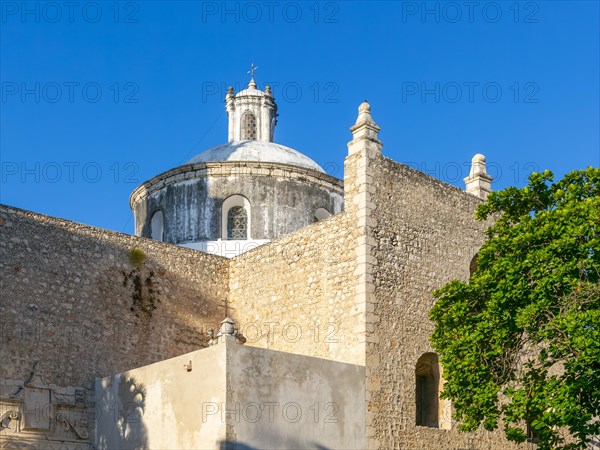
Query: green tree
{"x": 520, "y": 341}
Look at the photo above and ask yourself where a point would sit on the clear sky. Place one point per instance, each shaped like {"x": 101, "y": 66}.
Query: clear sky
{"x": 98, "y": 97}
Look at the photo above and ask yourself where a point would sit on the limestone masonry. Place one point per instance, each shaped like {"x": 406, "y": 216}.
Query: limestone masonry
{"x": 115, "y": 341}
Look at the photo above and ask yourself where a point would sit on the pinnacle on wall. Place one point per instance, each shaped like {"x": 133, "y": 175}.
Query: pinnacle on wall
{"x": 365, "y": 132}
{"x": 478, "y": 183}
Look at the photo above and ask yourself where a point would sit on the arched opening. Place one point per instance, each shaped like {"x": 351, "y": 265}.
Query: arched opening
{"x": 272, "y": 131}
{"x": 321, "y": 214}
{"x": 473, "y": 266}
{"x": 427, "y": 375}
{"x": 248, "y": 127}
{"x": 236, "y": 218}
{"x": 157, "y": 226}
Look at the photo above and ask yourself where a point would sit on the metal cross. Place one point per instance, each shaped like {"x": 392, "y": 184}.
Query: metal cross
{"x": 252, "y": 70}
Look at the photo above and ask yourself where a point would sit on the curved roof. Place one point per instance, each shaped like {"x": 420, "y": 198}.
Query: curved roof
{"x": 257, "y": 151}
{"x": 250, "y": 91}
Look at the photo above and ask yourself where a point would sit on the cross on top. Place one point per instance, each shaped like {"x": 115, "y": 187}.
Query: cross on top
{"x": 252, "y": 70}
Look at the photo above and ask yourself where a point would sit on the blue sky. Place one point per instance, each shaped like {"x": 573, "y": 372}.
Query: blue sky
{"x": 98, "y": 97}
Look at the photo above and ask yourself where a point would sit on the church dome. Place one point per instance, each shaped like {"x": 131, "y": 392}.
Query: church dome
{"x": 256, "y": 151}
{"x": 238, "y": 195}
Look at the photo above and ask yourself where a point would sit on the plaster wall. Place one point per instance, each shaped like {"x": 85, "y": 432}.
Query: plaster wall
{"x": 281, "y": 400}
{"x": 164, "y": 405}
{"x": 282, "y": 199}
{"x": 234, "y": 397}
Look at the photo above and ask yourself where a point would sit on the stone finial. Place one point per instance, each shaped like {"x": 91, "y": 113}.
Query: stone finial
{"x": 268, "y": 91}
{"x": 252, "y": 84}
{"x": 364, "y": 113}
{"x": 227, "y": 327}
{"x": 365, "y": 131}
{"x": 228, "y": 331}
{"x": 230, "y": 92}
{"x": 478, "y": 183}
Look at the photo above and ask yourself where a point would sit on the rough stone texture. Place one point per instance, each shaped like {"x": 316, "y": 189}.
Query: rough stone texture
{"x": 66, "y": 297}
{"x": 38, "y": 415}
{"x": 283, "y": 198}
{"x": 303, "y": 292}
{"x": 355, "y": 288}
{"x": 424, "y": 236}
{"x": 297, "y": 294}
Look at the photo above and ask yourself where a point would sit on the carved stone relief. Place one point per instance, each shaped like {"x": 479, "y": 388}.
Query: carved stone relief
{"x": 38, "y": 415}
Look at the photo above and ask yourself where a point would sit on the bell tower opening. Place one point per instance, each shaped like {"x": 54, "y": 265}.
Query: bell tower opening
{"x": 252, "y": 113}
{"x": 248, "y": 127}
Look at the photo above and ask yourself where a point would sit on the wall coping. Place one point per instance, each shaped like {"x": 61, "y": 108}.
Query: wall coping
{"x": 439, "y": 183}
{"x": 45, "y": 219}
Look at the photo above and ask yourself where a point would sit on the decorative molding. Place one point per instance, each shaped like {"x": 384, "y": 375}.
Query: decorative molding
{"x": 7, "y": 417}
{"x": 234, "y": 168}
{"x": 78, "y": 427}
{"x": 36, "y": 380}
{"x": 29, "y": 413}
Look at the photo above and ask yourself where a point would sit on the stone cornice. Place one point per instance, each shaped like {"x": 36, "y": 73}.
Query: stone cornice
{"x": 234, "y": 168}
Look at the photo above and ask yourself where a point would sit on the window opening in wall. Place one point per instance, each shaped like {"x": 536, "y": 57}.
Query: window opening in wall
{"x": 321, "y": 214}
{"x": 157, "y": 226}
{"x": 248, "y": 127}
{"x": 427, "y": 390}
{"x": 237, "y": 223}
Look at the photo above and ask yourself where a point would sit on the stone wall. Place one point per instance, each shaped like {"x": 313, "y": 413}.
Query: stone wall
{"x": 355, "y": 288}
{"x": 74, "y": 298}
{"x": 424, "y": 235}
{"x": 297, "y": 294}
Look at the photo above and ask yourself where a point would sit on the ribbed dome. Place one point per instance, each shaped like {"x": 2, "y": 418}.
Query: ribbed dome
{"x": 258, "y": 151}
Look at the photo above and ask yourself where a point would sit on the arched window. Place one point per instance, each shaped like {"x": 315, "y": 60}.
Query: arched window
{"x": 248, "y": 127}
{"x": 427, "y": 374}
{"x": 237, "y": 223}
{"x": 473, "y": 266}
{"x": 236, "y": 218}
{"x": 321, "y": 214}
{"x": 157, "y": 226}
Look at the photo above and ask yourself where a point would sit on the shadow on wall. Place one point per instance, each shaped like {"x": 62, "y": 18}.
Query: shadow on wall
{"x": 123, "y": 426}
{"x": 230, "y": 445}
{"x": 99, "y": 312}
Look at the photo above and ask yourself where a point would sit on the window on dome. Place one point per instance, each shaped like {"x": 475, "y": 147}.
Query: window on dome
{"x": 321, "y": 214}
{"x": 236, "y": 218}
{"x": 237, "y": 223}
{"x": 248, "y": 127}
{"x": 157, "y": 226}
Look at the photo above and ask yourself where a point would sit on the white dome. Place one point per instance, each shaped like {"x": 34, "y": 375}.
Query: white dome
{"x": 258, "y": 151}
{"x": 250, "y": 91}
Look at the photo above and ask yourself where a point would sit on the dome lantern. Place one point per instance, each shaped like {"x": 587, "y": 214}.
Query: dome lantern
{"x": 252, "y": 113}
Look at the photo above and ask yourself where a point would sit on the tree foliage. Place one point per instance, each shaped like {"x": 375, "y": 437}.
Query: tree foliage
{"x": 520, "y": 341}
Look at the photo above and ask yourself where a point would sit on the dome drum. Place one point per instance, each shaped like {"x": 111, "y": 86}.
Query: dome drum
{"x": 278, "y": 200}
